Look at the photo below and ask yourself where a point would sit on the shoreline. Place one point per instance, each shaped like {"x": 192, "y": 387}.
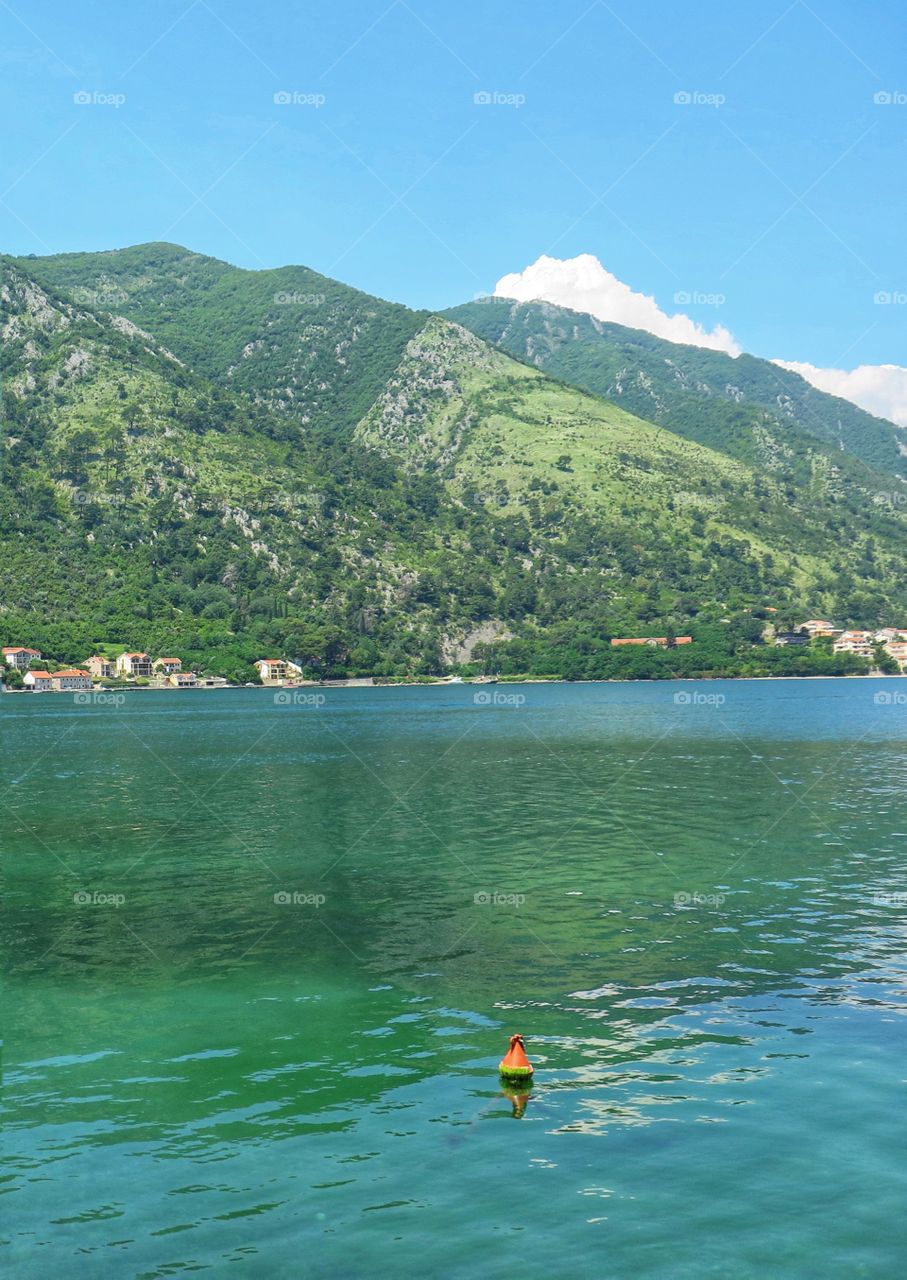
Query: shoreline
{"x": 357, "y": 683}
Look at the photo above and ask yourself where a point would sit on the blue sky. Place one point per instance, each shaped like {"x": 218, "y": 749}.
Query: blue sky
{"x": 779, "y": 187}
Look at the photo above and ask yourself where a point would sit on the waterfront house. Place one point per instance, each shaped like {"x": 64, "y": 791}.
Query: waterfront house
{"x": 100, "y": 667}
{"x": 271, "y": 669}
{"x": 38, "y": 681}
{"x": 134, "y": 665}
{"x": 183, "y": 680}
{"x": 168, "y": 666}
{"x": 70, "y": 681}
{"x": 16, "y": 656}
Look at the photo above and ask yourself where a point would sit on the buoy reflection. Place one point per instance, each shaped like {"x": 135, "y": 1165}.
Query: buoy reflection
{"x": 519, "y": 1099}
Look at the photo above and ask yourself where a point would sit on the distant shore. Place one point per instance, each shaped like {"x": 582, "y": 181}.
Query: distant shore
{"x": 442, "y": 683}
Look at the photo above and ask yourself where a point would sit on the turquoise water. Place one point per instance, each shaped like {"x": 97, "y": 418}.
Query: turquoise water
{"x": 695, "y": 911}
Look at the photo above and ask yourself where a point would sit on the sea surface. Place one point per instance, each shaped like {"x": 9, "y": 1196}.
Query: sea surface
{"x": 263, "y": 953}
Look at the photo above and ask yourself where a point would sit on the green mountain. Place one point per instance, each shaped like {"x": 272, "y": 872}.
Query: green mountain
{"x": 288, "y": 338}
{"x": 745, "y": 406}
{"x": 150, "y": 497}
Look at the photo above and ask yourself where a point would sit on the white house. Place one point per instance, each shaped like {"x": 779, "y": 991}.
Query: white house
{"x": 168, "y": 666}
{"x": 858, "y": 642}
{"x": 38, "y": 681}
{"x": 271, "y": 669}
{"x": 818, "y": 627}
{"x": 70, "y": 681}
{"x": 133, "y": 665}
{"x": 15, "y": 656}
{"x": 898, "y": 650}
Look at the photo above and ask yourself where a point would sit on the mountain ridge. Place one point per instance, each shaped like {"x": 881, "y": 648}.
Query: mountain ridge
{"x": 632, "y": 365}
{"x": 473, "y": 495}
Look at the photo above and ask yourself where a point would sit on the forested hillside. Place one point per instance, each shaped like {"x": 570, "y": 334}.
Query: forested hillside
{"x": 381, "y": 506}
{"x": 742, "y": 405}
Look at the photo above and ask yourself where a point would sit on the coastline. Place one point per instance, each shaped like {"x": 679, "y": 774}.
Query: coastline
{"x": 466, "y": 682}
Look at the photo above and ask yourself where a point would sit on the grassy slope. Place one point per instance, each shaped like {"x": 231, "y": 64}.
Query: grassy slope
{"x": 745, "y": 406}
{"x": 485, "y": 422}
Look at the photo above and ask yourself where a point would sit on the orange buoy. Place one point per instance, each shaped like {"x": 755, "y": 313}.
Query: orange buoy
{"x": 515, "y": 1065}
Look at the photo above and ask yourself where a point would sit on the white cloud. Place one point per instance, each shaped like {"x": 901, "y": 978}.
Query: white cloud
{"x": 583, "y": 284}
{"x": 879, "y": 388}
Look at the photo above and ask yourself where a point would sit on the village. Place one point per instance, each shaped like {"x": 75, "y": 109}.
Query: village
{"x": 26, "y": 670}
{"x": 862, "y": 644}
